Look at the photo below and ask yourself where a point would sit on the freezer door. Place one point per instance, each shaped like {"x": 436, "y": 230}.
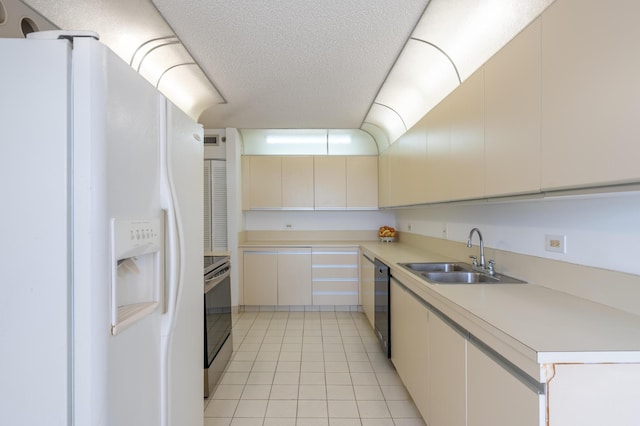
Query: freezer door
{"x": 34, "y": 159}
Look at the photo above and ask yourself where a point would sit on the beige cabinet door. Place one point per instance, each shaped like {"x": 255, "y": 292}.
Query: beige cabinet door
{"x": 367, "y": 283}
{"x": 330, "y": 182}
{"x": 466, "y": 108}
{"x": 409, "y": 330}
{"x": 512, "y": 116}
{"x": 447, "y": 374}
{"x": 497, "y": 398}
{"x": 410, "y": 170}
{"x": 362, "y": 182}
{"x": 438, "y": 167}
{"x": 294, "y": 276}
{"x": 384, "y": 177}
{"x": 590, "y": 95}
{"x": 297, "y": 183}
{"x": 266, "y": 182}
{"x": 260, "y": 278}
{"x": 245, "y": 173}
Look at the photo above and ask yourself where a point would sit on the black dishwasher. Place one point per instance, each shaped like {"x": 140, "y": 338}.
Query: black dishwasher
{"x": 382, "y": 317}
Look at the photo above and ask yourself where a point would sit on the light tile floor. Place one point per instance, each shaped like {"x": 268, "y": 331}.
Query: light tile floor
{"x": 308, "y": 368}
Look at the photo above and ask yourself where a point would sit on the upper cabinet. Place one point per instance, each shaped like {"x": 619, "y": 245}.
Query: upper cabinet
{"x": 265, "y": 188}
{"x": 466, "y": 144}
{"x": 362, "y": 182}
{"x": 512, "y": 116}
{"x": 330, "y": 182}
{"x": 310, "y": 182}
{"x": 590, "y": 95}
{"x": 297, "y": 183}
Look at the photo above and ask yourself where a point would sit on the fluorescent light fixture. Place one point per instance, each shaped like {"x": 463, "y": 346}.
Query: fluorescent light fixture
{"x": 296, "y": 139}
{"x": 451, "y": 41}
{"x": 340, "y": 139}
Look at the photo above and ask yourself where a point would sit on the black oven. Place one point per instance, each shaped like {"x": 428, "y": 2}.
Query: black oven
{"x": 217, "y": 319}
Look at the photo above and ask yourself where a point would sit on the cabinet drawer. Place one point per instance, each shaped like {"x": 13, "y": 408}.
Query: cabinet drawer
{"x": 335, "y": 292}
{"x": 335, "y": 257}
{"x": 335, "y": 271}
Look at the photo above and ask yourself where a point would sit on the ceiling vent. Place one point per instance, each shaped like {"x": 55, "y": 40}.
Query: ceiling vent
{"x": 213, "y": 140}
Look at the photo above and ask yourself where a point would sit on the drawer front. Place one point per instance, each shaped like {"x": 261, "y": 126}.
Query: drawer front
{"x": 334, "y": 257}
{"x": 334, "y": 271}
{"x": 335, "y": 292}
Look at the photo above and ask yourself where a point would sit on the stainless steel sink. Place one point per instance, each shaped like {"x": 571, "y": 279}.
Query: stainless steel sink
{"x": 456, "y": 273}
{"x": 459, "y": 277}
{"x": 436, "y": 267}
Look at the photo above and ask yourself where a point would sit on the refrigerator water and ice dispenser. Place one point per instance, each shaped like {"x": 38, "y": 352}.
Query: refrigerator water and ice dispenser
{"x": 136, "y": 270}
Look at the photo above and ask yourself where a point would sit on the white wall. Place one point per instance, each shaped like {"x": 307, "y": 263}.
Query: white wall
{"x": 317, "y": 220}
{"x": 601, "y": 230}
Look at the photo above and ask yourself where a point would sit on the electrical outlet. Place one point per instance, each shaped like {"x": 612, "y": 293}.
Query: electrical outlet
{"x": 556, "y": 243}
{"x": 409, "y": 227}
{"x": 288, "y": 226}
{"x": 444, "y": 230}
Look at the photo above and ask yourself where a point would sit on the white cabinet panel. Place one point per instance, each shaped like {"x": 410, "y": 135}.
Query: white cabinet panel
{"x": 594, "y": 395}
{"x": 297, "y": 183}
{"x": 294, "y": 277}
{"x": 447, "y": 374}
{"x": 590, "y": 95}
{"x": 495, "y": 397}
{"x": 409, "y": 351}
{"x": 265, "y": 189}
{"x": 260, "y": 277}
{"x": 512, "y": 116}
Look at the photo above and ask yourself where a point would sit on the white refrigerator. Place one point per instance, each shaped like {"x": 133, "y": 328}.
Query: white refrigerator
{"x": 101, "y": 242}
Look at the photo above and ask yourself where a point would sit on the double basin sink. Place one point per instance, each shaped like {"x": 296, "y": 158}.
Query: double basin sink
{"x": 456, "y": 273}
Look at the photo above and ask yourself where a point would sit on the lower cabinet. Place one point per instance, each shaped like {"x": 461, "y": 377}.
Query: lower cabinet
{"x": 447, "y": 374}
{"x": 451, "y": 380}
{"x": 409, "y": 348}
{"x": 334, "y": 276}
{"x": 260, "y": 277}
{"x": 495, "y": 397}
{"x": 277, "y": 277}
{"x": 300, "y": 276}
{"x": 367, "y": 284}
{"x": 294, "y": 277}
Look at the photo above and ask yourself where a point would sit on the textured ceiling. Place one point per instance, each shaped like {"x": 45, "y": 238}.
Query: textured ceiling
{"x": 293, "y": 63}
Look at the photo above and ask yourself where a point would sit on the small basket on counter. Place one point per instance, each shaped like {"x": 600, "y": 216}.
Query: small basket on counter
{"x": 387, "y": 234}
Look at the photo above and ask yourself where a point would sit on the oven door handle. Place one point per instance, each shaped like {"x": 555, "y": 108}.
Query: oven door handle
{"x": 210, "y": 283}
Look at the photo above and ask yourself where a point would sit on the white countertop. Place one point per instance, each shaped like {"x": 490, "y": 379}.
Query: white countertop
{"x": 528, "y": 324}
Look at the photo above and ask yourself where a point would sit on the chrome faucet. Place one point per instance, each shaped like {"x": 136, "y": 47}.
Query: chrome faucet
{"x": 475, "y": 259}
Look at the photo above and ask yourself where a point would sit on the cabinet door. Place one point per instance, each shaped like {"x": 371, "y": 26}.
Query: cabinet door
{"x": 495, "y": 397}
{"x": 410, "y": 170}
{"x": 512, "y": 116}
{"x": 330, "y": 181}
{"x": 294, "y": 277}
{"x": 362, "y": 182}
{"x": 409, "y": 328}
{"x": 367, "y": 282}
{"x": 266, "y": 182}
{"x": 260, "y": 277}
{"x": 438, "y": 122}
{"x": 297, "y": 183}
{"x": 466, "y": 107}
{"x": 447, "y": 374}
{"x": 384, "y": 179}
{"x": 590, "y": 95}
{"x": 245, "y": 173}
